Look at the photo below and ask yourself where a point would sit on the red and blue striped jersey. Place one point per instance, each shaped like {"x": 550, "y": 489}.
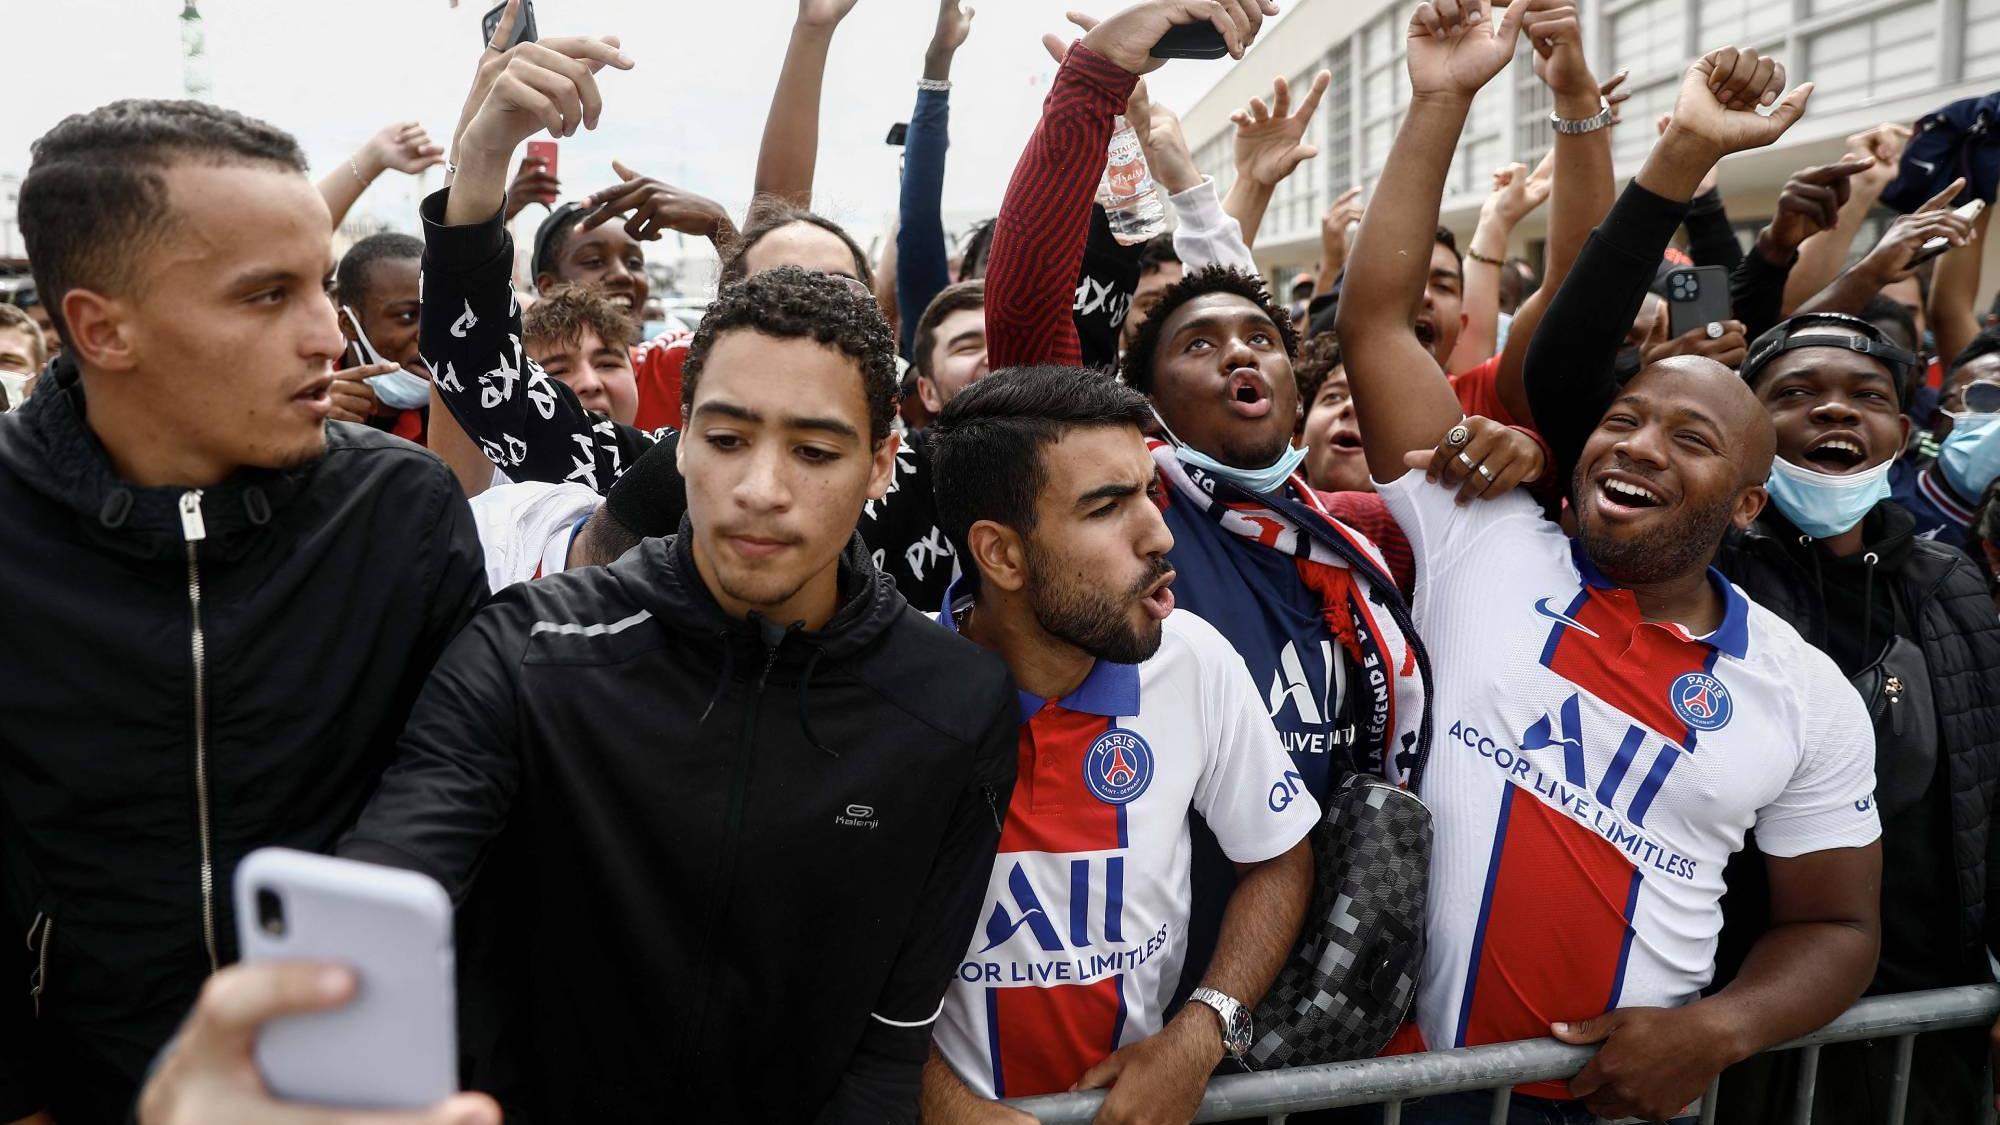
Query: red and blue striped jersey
{"x": 1083, "y": 931}
{"x": 1592, "y": 772}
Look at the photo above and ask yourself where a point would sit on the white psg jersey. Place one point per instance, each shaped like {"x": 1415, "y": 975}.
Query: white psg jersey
{"x": 1083, "y": 930}
{"x": 1591, "y": 773}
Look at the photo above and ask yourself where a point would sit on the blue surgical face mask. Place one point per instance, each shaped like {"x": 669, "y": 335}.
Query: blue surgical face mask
{"x": 1970, "y": 457}
{"x": 1823, "y": 505}
{"x": 1257, "y": 482}
{"x": 397, "y": 390}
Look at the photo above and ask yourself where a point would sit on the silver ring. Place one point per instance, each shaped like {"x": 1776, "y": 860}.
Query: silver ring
{"x": 1485, "y": 472}
{"x": 1458, "y": 436}
{"x": 1714, "y": 330}
{"x": 1467, "y": 462}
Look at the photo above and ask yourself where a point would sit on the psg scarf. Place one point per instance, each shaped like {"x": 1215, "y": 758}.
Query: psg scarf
{"x": 1363, "y": 609}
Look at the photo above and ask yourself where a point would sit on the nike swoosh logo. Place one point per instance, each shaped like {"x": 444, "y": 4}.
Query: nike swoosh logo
{"x": 1926, "y": 165}
{"x": 1561, "y": 618}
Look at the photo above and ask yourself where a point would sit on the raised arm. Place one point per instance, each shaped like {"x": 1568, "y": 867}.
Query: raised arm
{"x": 1401, "y": 399}
{"x": 1515, "y": 195}
{"x": 1953, "y": 313}
{"x": 528, "y": 424}
{"x": 1581, "y": 184}
{"x": 1270, "y": 145}
{"x": 402, "y": 146}
{"x": 1204, "y": 234}
{"x": 1824, "y": 255}
{"x": 790, "y": 151}
{"x": 1889, "y": 261}
{"x": 1810, "y": 203}
{"x": 922, "y": 263}
{"x": 1568, "y": 374}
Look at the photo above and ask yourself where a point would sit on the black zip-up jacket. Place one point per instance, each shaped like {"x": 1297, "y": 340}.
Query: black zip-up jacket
{"x": 325, "y": 594}
{"x": 747, "y": 858}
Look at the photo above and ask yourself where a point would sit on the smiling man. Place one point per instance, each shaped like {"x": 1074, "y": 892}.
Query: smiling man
{"x": 256, "y": 592}
{"x": 1614, "y": 716}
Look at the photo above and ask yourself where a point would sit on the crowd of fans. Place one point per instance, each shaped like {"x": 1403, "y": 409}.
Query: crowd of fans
{"x": 919, "y": 685}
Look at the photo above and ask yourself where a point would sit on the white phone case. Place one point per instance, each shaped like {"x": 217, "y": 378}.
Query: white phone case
{"x": 395, "y": 1045}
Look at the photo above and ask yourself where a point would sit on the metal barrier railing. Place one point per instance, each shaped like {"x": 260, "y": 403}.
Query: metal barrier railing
{"x": 1387, "y": 1082}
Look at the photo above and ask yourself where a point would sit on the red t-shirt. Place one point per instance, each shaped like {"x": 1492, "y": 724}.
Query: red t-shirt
{"x": 657, "y": 366}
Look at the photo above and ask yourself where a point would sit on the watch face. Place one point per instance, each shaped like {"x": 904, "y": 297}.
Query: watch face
{"x": 1238, "y": 1039}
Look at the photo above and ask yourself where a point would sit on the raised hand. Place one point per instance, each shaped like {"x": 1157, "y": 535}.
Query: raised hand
{"x": 1517, "y": 191}
{"x": 1127, "y": 38}
{"x": 1457, "y": 46}
{"x": 405, "y": 147}
{"x": 1270, "y": 140}
{"x": 655, "y": 207}
{"x": 1167, "y": 153}
{"x": 1716, "y": 110}
{"x": 1885, "y": 143}
{"x": 1811, "y": 203}
{"x": 1556, "y": 34}
{"x": 954, "y": 24}
{"x": 549, "y": 85}
{"x": 824, "y": 13}
{"x": 1342, "y": 213}
{"x": 1889, "y": 261}
{"x": 532, "y": 184}
{"x": 1708, "y": 181}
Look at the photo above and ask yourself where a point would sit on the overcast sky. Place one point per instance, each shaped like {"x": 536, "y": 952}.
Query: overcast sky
{"x": 691, "y": 112}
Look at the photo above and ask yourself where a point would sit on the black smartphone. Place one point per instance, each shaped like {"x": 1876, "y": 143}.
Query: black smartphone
{"x": 1191, "y": 41}
{"x": 1697, "y": 296}
{"x": 898, "y": 133}
{"x": 524, "y": 32}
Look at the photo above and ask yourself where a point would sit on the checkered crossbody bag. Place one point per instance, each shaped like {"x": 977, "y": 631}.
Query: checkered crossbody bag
{"x": 1349, "y": 983}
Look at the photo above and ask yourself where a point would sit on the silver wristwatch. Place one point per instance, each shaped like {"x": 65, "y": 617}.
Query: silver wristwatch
{"x": 1570, "y": 127}
{"x": 1235, "y": 1019}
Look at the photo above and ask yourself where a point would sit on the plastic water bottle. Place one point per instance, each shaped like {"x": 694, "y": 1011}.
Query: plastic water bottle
{"x": 1127, "y": 193}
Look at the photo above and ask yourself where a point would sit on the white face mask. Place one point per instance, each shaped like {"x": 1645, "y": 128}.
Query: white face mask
{"x": 398, "y": 389}
{"x": 1257, "y": 482}
{"x": 1824, "y": 505}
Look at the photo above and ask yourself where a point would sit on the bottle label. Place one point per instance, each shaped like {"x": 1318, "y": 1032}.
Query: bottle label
{"x": 1125, "y": 171}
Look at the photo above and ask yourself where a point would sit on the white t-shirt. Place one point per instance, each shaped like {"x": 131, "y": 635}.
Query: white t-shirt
{"x": 1083, "y": 931}
{"x": 526, "y": 529}
{"x": 1591, "y": 773}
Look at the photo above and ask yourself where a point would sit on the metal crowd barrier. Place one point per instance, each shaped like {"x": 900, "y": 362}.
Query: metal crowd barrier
{"x": 1271, "y": 1095}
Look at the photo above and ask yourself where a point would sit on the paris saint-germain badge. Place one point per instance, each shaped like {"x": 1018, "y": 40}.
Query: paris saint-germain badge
{"x": 1118, "y": 767}
{"x": 1701, "y": 701}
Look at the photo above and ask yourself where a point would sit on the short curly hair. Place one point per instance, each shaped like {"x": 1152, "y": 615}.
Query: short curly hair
{"x": 1318, "y": 358}
{"x": 565, "y": 311}
{"x": 1137, "y": 367}
{"x": 790, "y": 303}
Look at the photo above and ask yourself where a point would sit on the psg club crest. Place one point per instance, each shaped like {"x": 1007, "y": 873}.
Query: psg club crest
{"x": 1118, "y": 767}
{"x": 1701, "y": 701}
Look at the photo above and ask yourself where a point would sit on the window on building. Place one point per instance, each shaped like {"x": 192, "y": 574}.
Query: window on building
{"x": 1385, "y": 89}
{"x": 1532, "y": 105}
{"x": 1650, "y": 37}
{"x": 1874, "y": 58}
{"x": 1337, "y": 112}
{"x": 1982, "y": 38}
{"x": 1741, "y": 23}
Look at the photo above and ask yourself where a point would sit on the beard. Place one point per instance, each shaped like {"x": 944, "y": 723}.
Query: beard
{"x": 1683, "y": 544}
{"x": 1097, "y": 622}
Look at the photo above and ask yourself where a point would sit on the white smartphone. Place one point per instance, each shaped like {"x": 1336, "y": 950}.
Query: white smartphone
{"x": 1932, "y": 247}
{"x": 395, "y": 1045}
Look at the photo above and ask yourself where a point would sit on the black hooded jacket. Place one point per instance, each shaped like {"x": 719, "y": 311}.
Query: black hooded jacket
{"x": 746, "y": 859}
{"x": 1937, "y": 599}
{"x": 134, "y": 746}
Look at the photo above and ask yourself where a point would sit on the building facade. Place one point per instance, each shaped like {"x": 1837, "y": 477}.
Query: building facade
{"x": 1873, "y": 61}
